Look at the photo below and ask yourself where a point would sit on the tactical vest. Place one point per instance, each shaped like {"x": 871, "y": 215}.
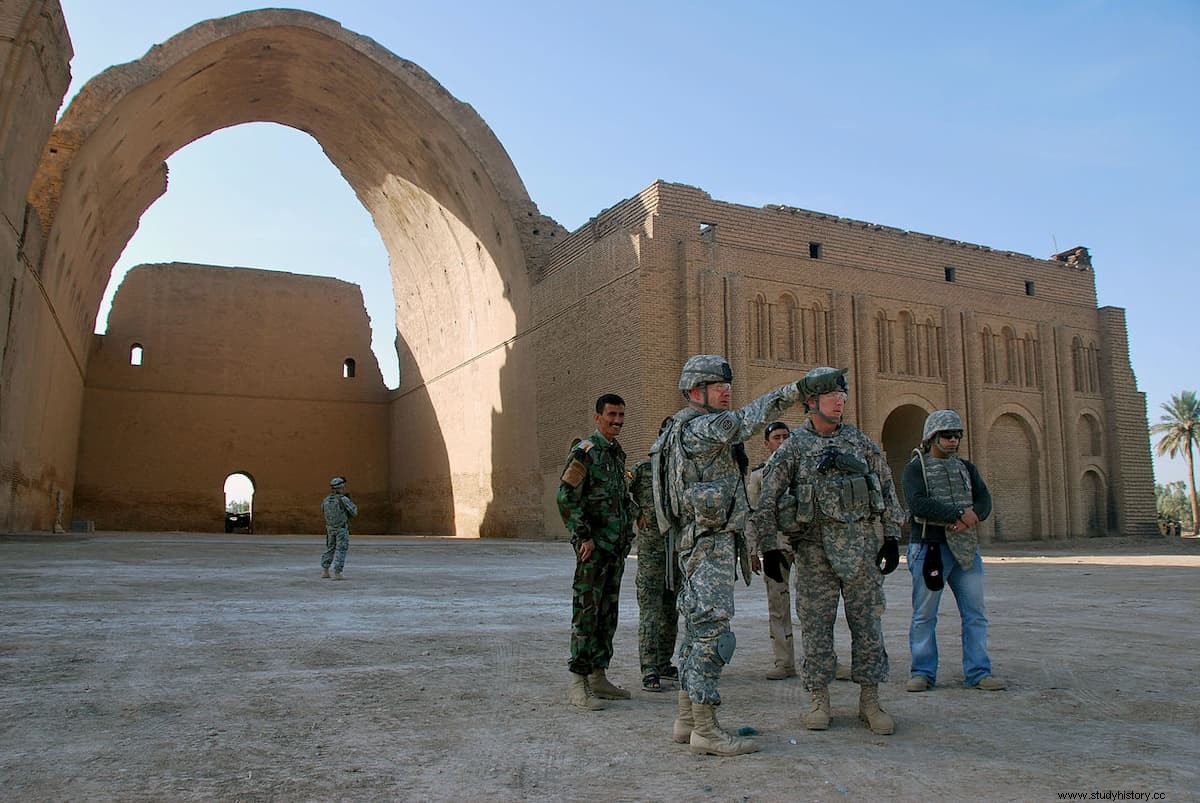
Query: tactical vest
{"x": 688, "y": 490}
{"x": 947, "y": 481}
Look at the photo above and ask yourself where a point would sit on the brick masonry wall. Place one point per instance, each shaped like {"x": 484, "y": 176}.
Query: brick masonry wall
{"x": 707, "y": 276}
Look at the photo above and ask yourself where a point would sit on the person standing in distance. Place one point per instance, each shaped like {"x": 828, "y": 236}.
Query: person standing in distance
{"x": 698, "y": 465}
{"x": 946, "y": 498}
{"x": 597, "y": 510}
{"x": 825, "y": 489}
{"x": 338, "y": 508}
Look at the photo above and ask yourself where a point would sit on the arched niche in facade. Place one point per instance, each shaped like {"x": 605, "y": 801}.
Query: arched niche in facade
{"x": 449, "y": 206}
{"x": 1014, "y": 475}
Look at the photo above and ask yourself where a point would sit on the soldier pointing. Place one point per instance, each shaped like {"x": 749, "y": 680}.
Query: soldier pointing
{"x": 698, "y": 465}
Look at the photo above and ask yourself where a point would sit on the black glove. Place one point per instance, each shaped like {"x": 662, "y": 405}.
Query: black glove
{"x": 888, "y": 556}
{"x": 828, "y": 458}
{"x": 775, "y": 563}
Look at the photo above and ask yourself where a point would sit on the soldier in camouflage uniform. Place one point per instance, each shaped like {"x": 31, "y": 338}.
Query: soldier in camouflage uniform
{"x": 338, "y": 509}
{"x": 698, "y": 467}
{"x": 825, "y": 490}
{"x": 947, "y": 498}
{"x": 658, "y": 613}
{"x": 595, "y": 505}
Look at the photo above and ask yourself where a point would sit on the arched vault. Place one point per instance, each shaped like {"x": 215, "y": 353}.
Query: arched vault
{"x": 448, "y": 203}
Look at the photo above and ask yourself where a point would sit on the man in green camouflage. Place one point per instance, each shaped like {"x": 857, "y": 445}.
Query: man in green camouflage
{"x": 596, "y": 508}
{"x": 698, "y": 467}
{"x": 826, "y": 490}
{"x": 658, "y": 614}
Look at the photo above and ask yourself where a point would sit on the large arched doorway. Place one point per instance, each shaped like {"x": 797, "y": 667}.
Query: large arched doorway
{"x": 449, "y": 206}
{"x": 902, "y": 434}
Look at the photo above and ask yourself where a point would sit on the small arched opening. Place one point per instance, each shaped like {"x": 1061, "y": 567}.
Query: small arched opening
{"x": 239, "y": 503}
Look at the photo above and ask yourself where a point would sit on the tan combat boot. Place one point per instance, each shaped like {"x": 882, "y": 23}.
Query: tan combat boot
{"x": 338, "y": 576}
{"x": 707, "y": 736}
{"x": 878, "y": 720}
{"x": 324, "y": 572}
{"x": 817, "y": 719}
{"x": 581, "y": 696}
{"x": 684, "y": 722}
{"x": 781, "y": 672}
{"x": 604, "y": 689}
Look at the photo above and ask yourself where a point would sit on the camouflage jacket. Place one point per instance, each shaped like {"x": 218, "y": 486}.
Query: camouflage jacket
{"x": 338, "y": 510}
{"x": 800, "y": 494}
{"x": 593, "y": 499}
{"x": 700, "y": 487}
{"x": 641, "y": 489}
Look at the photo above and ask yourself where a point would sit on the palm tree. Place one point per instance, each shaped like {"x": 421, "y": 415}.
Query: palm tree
{"x": 1180, "y": 430}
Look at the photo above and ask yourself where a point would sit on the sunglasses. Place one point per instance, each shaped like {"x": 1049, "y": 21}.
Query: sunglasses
{"x": 951, "y": 434}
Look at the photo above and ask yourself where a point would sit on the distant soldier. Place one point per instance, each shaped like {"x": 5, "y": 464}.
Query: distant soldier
{"x": 657, "y": 589}
{"x": 699, "y": 467}
{"x": 338, "y": 508}
{"x": 825, "y": 489}
{"x": 947, "y": 499}
{"x": 597, "y": 510}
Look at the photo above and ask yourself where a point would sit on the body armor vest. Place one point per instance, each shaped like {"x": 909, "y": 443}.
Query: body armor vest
{"x": 947, "y": 481}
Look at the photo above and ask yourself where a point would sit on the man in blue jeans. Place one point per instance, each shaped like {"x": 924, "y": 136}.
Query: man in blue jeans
{"x": 946, "y": 499}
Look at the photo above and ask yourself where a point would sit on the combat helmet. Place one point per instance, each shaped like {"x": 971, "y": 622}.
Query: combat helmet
{"x": 940, "y": 421}
{"x": 702, "y": 369}
{"x": 815, "y": 374}
{"x": 337, "y": 482}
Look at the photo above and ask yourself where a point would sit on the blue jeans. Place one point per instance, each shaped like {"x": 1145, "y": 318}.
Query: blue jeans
{"x": 967, "y": 586}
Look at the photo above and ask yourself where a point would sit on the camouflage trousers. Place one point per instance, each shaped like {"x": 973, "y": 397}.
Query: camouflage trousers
{"x": 817, "y": 589}
{"x": 779, "y": 620}
{"x": 596, "y": 592}
{"x": 337, "y": 541}
{"x": 658, "y": 614}
{"x": 706, "y": 602}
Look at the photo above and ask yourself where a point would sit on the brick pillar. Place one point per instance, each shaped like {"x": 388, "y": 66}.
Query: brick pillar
{"x": 1127, "y": 436}
{"x": 1062, "y": 479}
{"x": 972, "y": 410}
{"x": 956, "y": 379}
{"x": 1069, "y": 407}
{"x": 854, "y": 348}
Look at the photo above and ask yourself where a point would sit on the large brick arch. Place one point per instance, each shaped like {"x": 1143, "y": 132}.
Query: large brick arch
{"x": 460, "y": 231}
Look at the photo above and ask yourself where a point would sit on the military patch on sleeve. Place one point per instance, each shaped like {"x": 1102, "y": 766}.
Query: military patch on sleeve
{"x": 574, "y": 474}
{"x": 725, "y": 424}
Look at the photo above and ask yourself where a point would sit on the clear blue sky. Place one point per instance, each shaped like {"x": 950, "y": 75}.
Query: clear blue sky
{"x": 1024, "y": 126}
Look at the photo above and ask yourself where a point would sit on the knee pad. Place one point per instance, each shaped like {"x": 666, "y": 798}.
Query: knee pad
{"x": 726, "y": 643}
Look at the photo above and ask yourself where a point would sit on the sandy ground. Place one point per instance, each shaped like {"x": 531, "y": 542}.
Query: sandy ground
{"x": 199, "y": 667}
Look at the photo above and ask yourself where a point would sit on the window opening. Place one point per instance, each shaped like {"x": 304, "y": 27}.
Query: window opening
{"x": 135, "y": 354}
{"x": 814, "y": 250}
{"x": 949, "y": 274}
{"x": 348, "y": 368}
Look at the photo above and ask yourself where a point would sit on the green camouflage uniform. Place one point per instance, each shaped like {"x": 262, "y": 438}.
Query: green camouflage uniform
{"x": 830, "y": 519}
{"x": 595, "y": 505}
{"x": 338, "y": 509}
{"x": 706, "y": 489}
{"x": 658, "y": 616}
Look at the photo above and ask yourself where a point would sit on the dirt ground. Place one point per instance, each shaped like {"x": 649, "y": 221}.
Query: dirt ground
{"x": 201, "y": 667}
